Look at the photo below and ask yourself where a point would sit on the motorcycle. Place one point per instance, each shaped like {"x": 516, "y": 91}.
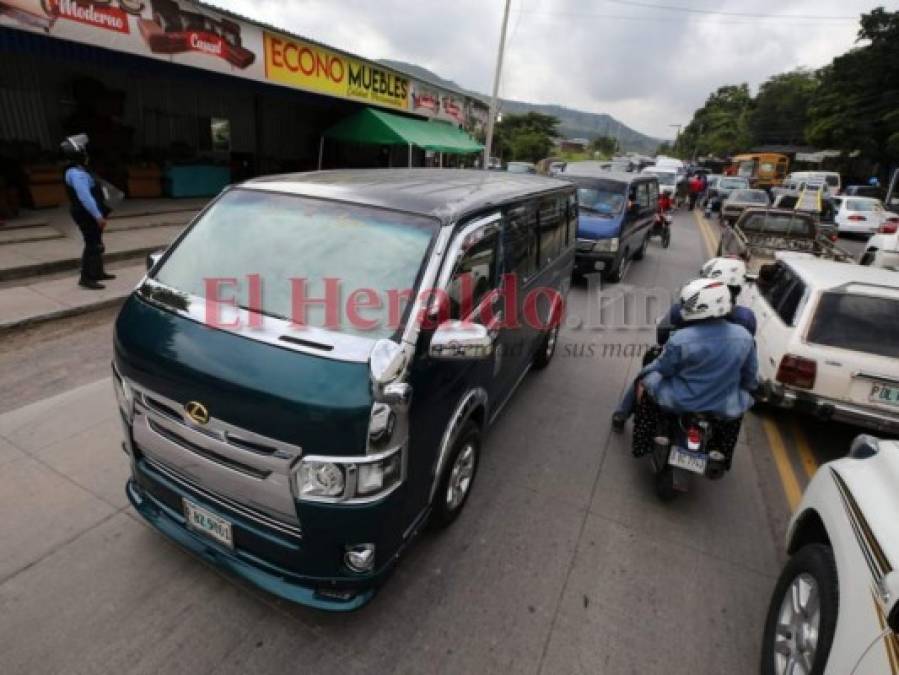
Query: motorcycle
{"x": 661, "y": 228}
{"x": 687, "y": 444}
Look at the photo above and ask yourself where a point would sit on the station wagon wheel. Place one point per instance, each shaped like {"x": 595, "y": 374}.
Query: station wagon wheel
{"x": 802, "y": 615}
{"x": 458, "y": 476}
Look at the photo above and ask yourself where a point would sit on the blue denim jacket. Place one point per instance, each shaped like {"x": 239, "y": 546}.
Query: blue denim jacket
{"x": 709, "y": 366}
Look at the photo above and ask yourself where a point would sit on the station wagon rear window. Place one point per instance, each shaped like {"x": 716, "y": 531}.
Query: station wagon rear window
{"x": 862, "y": 323}
{"x": 282, "y": 237}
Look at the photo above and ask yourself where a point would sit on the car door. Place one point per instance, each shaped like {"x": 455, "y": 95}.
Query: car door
{"x": 775, "y": 298}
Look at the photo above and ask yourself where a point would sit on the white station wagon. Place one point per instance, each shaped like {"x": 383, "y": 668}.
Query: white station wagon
{"x": 828, "y": 339}
{"x": 835, "y": 608}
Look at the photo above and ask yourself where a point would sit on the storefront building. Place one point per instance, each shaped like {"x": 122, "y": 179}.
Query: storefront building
{"x": 179, "y": 98}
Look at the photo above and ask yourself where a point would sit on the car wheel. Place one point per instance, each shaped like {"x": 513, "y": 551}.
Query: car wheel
{"x": 642, "y": 250}
{"x": 547, "y": 348}
{"x": 617, "y": 274}
{"x": 802, "y": 615}
{"x": 458, "y": 476}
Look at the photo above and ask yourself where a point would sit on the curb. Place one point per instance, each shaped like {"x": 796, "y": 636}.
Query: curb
{"x": 9, "y": 326}
{"x": 37, "y": 269}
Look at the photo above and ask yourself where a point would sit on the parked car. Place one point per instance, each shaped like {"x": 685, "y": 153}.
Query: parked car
{"x": 521, "y": 167}
{"x": 882, "y": 250}
{"x": 827, "y": 339}
{"x": 616, "y": 215}
{"x": 740, "y": 200}
{"x": 722, "y": 190}
{"x": 831, "y": 178}
{"x": 835, "y": 607}
{"x": 861, "y": 215}
{"x": 300, "y": 459}
{"x": 863, "y": 191}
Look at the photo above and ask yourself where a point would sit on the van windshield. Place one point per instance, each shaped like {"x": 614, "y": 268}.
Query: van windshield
{"x": 295, "y": 244}
{"x": 601, "y": 200}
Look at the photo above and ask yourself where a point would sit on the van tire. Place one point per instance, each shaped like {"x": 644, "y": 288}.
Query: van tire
{"x": 547, "y": 348}
{"x": 446, "y": 509}
{"x": 642, "y": 250}
{"x": 617, "y": 274}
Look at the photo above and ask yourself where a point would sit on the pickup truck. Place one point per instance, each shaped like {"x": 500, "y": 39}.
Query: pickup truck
{"x": 760, "y": 234}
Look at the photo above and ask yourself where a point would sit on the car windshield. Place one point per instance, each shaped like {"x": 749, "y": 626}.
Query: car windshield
{"x": 601, "y": 200}
{"x": 859, "y": 322}
{"x": 776, "y": 223}
{"x": 751, "y": 196}
{"x": 732, "y": 183}
{"x": 288, "y": 240}
{"x": 665, "y": 178}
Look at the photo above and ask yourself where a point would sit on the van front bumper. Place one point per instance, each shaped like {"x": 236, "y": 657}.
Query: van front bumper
{"x": 828, "y": 409}
{"x": 592, "y": 261}
{"x": 265, "y": 557}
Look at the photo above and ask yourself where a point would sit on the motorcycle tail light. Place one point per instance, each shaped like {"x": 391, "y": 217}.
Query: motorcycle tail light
{"x": 797, "y": 371}
{"x": 694, "y": 438}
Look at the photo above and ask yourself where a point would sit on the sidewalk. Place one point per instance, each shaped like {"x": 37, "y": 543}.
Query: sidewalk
{"x": 47, "y": 300}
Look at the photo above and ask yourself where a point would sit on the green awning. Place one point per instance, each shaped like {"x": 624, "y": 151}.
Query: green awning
{"x": 381, "y": 128}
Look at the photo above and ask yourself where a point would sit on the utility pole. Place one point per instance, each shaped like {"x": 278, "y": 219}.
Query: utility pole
{"x": 677, "y": 135}
{"x": 488, "y": 145}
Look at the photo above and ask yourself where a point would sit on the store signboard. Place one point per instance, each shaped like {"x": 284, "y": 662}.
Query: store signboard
{"x": 304, "y": 65}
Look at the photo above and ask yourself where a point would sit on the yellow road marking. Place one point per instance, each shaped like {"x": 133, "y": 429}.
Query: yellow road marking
{"x": 784, "y": 468}
{"x": 806, "y": 455}
{"x": 703, "y": 232}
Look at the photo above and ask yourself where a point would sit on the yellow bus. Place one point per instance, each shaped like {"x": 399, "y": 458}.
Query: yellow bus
{"x": 763, "y": 169}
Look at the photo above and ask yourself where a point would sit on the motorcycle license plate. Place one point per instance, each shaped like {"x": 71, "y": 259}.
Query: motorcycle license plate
{"x": 689, "y": 461}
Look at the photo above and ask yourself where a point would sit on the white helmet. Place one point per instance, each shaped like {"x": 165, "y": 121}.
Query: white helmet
{"x": 705, "y": 299}
{"x": 731, "y": 271}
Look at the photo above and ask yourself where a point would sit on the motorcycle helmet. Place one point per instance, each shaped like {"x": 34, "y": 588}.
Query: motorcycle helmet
{"x": 74, "y": 148}
{"x": 705, "y": 299}
{"x": 731, "y": 271}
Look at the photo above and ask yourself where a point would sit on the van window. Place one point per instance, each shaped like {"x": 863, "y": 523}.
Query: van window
{"x": 552, "y": 225}
{"x": 474, "y": 276}
{"x": 520, "y": 240}
{"x": 653, "y": 192}
{"x": 286, "y": 237}
{"x": 643, "y": 195}
{"x": 572, "y": 219}
{"x": 859, "y": 322}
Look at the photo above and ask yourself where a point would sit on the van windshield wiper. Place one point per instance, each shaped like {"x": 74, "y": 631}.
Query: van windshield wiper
{"x": 605, "y": 214}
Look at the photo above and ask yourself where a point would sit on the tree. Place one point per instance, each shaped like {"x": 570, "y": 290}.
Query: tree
{"x": 527, "y": 137}
{"x": 606, "y": 146}
{"x": 665, "y": 148}
{"x": 779, "y": 113}
{"x": 856, "y": 106}
{"x": 721, "y": 126}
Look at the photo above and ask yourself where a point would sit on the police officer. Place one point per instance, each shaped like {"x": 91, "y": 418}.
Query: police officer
{"x": 88, "y": 210}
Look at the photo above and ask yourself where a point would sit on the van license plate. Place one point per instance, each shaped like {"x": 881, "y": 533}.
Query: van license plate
{"x": 690, "y": 461}
{"x": 204, "y": 522}
{"x": 881, "y": 393}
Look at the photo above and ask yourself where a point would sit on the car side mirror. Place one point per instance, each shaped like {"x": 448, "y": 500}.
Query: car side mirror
{"x": 864, "y": 446}
{"x": 153, "y": 258}
{"x": 456, "y": 340}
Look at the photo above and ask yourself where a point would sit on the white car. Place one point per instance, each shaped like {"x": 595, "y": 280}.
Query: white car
{"x": 864, "y": 215}
{"x": 835, "y": 607}
{"x": 828, "y": 339}
{"x": 882, "y": 250}
{"x": 831, "y": 178}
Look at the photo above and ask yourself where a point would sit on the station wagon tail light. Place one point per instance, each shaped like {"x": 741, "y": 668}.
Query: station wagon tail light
{"x": 797, "y": 371}
{"x": 889, "y": 227}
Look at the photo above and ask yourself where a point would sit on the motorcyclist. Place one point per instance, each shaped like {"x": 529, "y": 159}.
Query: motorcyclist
{"x": 730, "y": 271}
{"x": 709, "y": 366}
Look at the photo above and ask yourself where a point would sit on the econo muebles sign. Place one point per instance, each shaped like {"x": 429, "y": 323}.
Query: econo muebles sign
{"x": 306, "y": 66}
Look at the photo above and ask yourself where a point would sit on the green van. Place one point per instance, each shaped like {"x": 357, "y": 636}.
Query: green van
{"x": 306, "y": 374}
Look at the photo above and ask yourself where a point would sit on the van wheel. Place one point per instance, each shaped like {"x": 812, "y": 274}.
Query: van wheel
{"x": 802, "y": 616}
{"x": 617, "y": 274}
{"x": 547, "y": 348}
{"x": 458, "y": 476}
{"x": 642, "y": 250}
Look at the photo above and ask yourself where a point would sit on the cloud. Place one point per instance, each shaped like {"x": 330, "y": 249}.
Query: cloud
{"x": 647, "y": 67}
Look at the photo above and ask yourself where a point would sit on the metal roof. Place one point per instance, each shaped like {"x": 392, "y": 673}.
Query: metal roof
{"x": 445, "y": 194}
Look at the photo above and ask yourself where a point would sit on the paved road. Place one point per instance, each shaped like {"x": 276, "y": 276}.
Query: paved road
{"x": 563, "y": 561}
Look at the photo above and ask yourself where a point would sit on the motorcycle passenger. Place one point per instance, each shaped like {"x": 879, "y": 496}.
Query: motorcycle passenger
{"x": 732, "y": 272}
{"x": 665, "y": 203}
{"x": 695, "y": 187}
{"x": 708, "y": 366}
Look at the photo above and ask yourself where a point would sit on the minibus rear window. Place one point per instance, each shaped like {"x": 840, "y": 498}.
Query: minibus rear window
{"x": 366, "y": 257}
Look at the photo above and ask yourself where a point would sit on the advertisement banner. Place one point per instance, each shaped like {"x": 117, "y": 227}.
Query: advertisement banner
{"x": 306, "y": 66}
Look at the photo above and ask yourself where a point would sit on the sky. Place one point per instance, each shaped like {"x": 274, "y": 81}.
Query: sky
{"x": 647, "y": 66}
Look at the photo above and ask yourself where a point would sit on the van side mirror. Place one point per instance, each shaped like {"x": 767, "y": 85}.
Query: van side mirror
{"x": 455, "y": 340}
{"x": 153, "y": 258}
{"x": 386, "y": 361}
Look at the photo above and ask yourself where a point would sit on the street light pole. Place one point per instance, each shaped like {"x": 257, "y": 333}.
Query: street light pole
{"x": 491, "y": 118}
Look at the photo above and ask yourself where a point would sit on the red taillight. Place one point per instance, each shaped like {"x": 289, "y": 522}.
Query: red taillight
{"x": 889, "y": 227}
{"x": 797, "y": 371}
{"x": 694, "y": 438}
{"x": 856, "y": 218}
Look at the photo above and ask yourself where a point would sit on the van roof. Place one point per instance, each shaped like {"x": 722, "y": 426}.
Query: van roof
{"x": 618, "y": 176}
{"x": 445, "y": 194}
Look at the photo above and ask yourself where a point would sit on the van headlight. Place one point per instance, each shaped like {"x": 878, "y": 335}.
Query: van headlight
{"x": 124, "y": 394}
{"x": 349, "y": 479}
{"x": 606, "y": 245}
